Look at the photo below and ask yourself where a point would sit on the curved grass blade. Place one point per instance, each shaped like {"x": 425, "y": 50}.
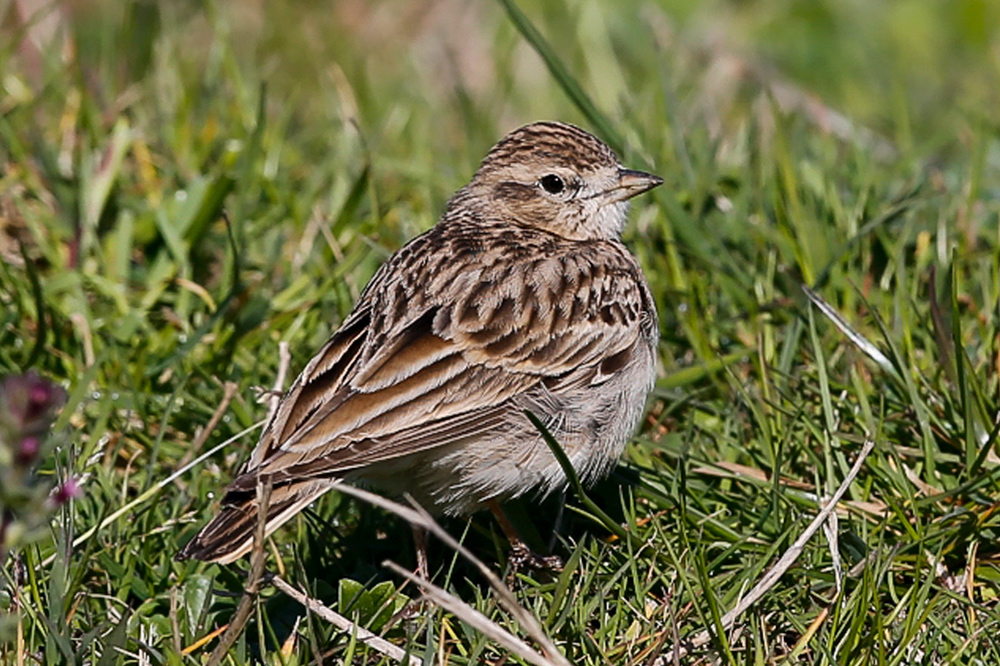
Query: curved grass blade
{"x": 562, "y": 76}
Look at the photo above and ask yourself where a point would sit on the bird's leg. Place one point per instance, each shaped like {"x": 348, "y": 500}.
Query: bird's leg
{"x": 417, "y": 606}
{"x": 520, "y": 555}
{"x": 420, "y": 545}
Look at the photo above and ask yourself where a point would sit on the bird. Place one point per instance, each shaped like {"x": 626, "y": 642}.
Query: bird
{"x": 522, "y": 298}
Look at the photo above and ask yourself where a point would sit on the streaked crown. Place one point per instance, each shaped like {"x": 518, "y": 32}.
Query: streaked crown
{"x": 553, "y": 143}
{"x": 559, "y": 178}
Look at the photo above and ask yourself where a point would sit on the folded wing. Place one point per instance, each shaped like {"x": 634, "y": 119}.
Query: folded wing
{"x": 469, "y": 344}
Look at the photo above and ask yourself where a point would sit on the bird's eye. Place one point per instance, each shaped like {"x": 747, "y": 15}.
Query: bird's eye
{"x": 552, "y": 184}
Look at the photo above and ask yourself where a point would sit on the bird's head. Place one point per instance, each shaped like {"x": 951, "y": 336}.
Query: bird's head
{"x": 560, "y": 178}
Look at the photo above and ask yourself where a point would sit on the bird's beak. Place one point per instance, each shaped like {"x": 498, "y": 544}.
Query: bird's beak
{"x": 631, "y": 183}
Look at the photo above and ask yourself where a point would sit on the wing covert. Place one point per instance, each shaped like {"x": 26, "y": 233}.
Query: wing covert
{"x": 466, "y": 343}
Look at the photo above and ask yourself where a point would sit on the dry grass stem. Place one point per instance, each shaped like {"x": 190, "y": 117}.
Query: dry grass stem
{"x": 284, "y": 360}
{"x": 258, "y": 557}
{"x": 228, "y": 393}
{"x": 473, "y": 618}
{"x": 419, "y": 517}
{"x": 373, "y": 641}
{"x": 785, "y": 562}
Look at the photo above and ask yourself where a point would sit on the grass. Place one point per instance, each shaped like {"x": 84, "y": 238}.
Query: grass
{"x": 186, "y": 188}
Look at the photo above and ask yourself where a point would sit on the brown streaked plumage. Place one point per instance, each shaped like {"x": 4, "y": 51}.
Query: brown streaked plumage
{"x": 521, "y": 298}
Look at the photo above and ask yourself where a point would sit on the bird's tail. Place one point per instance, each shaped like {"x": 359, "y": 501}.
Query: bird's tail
{"x": 229, "y": 536}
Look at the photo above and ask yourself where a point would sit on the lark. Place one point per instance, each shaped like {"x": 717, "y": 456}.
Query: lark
{"x": 521, "y": 298}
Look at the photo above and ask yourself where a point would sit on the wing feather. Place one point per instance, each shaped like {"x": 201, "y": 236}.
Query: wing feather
{"x": 426, "y": 362}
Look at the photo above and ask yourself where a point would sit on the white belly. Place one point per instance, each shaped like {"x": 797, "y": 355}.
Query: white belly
{"x": 592, "y": 423}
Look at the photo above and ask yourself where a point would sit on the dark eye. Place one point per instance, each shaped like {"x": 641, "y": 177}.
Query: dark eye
{"x": 552, "y": 184}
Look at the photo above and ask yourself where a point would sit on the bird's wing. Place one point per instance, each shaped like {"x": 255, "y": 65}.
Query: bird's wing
{"x": 423, "y": 363}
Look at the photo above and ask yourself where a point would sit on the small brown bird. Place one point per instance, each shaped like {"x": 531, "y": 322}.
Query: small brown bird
{"x": 521, "y": 298}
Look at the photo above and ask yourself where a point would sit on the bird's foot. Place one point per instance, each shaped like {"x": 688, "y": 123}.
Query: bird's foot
{"x": 522, "y": 558}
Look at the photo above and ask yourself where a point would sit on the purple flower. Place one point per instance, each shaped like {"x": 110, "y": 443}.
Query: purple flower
{"x": 27, "y": 403}
{"x": 28, "y": 451}
{"x": 70, "y": 489}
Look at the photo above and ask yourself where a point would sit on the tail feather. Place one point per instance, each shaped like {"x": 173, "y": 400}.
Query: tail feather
{"x": 229, "y": 536}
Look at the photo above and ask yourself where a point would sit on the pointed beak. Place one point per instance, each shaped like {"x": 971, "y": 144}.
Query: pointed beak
{"x": 631, "y": 183}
